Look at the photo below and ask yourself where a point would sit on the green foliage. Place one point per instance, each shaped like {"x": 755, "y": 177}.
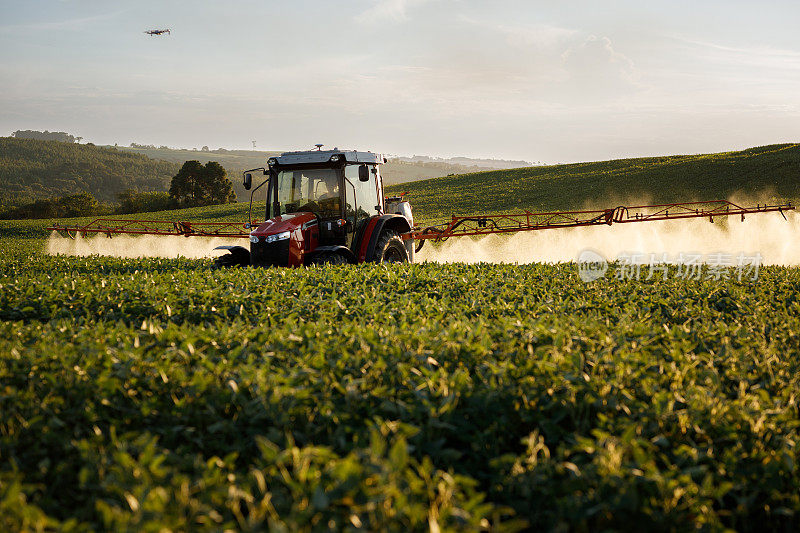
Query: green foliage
{"x": 75, "y": 205}
{"x": 234, "y": 161}
{"x": 198, "y": 185}
{"x": 150, "y": 394}
{"x": 45, "y": 135}
{"x": 766, "y": 173}
{"x": 131, "y": 201}
{"x": 33, "y": 169}
{"x": 159, "y": 394}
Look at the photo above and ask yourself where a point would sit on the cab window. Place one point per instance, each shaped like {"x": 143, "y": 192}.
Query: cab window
{"x": 361, "y": 197}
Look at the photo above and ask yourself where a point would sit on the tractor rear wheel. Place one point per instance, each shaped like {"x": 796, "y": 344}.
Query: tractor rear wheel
{"x": 328, "y": 258}
{"x": 390, "y": 248}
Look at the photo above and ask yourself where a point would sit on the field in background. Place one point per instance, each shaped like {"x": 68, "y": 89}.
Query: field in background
{"x": 765, "y": 173}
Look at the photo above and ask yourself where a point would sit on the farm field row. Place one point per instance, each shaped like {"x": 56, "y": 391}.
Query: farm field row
{"x": 150, "y": 394}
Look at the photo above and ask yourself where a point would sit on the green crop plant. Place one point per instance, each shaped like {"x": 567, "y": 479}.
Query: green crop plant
{"x": 158, "y": 394}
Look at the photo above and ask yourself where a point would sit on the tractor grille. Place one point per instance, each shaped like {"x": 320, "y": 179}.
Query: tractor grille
{"x": 270, "y": 253}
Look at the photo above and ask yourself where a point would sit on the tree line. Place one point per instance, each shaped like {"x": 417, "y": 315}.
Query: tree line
{"x": 193, "y": 185}
{"x": 33, "y": 170}
{"x": 45, "y": 135}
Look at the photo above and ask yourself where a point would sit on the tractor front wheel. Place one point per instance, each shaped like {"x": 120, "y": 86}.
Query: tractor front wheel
{"x": 390, "y": 248}
{"x": 237, "y": 256}
{"x": 328, "y": 258}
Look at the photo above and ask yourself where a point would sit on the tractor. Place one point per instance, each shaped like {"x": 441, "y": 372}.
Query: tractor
{"x": 324, "y": 207}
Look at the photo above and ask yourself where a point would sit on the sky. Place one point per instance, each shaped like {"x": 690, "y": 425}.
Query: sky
{"x": 550, "y": 81}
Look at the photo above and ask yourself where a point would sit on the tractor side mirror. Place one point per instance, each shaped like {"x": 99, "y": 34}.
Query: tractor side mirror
{"x": 363, "y": 173}
{"x": 248, "y": 181}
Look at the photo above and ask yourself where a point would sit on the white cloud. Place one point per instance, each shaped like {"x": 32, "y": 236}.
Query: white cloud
{"x": 75, "y": 24}
{"x": 597, "y": 70}
{"x": 530, "y": 35}
{"x": 761, "y": 56}
{"x": 395, "y": 10}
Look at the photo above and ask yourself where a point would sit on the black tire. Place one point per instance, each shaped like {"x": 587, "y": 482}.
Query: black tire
{"x": 390, "y": 248}
{"x": 237, "y": 257}
{"x": 328, "y": 258}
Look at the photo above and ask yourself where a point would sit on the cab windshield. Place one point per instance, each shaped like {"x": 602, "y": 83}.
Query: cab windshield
{"x": 314, "y": 190}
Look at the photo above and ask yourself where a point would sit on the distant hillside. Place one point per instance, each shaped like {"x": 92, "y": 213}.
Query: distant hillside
{"x": 230, "y": 159}
{"x": 397, "y": 170}
{"x": 233, "y": 161}
{"x": 33, "y": 169}
{"x": 771, "y": 171}
{"x": 484, "y": 164}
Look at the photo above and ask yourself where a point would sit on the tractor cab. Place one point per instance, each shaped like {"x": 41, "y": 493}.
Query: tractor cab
{"x": 324, "y": 206}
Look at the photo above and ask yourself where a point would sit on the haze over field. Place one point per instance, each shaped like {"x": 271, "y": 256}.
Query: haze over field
{"x": 768, "y": 236}
{"x": 531, "y": 80}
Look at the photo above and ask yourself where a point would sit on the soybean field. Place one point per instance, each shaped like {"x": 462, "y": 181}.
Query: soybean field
{"x": 158, "y": 394}
{"x": 161, "y": 395}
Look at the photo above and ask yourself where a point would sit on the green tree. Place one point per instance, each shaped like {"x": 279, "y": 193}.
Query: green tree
{"x": 78, "y": 205}
{"x": 132, "y": 201}
{"x": 196, "y": 185}
{"x": 75, "y": 205}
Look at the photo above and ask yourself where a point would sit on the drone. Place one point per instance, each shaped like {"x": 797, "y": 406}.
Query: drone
{"x": 157, "y": 32}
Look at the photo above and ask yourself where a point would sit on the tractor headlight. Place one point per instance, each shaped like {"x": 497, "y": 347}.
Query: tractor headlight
{"x": 335, "y": 158}
{"x": 278, "y": 237}
{"x": 272, "y": 161}
{"x": 254, "y": 238}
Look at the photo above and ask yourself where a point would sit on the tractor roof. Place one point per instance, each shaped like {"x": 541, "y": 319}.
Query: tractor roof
{"x": 323, "y": 156}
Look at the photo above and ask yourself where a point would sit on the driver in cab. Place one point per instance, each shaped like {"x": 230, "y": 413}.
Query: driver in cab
{"x": 327, "y": 187}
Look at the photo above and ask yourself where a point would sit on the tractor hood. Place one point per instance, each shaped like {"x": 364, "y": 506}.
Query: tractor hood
{"x": 283, "y": 240}
{"x": 279, "y": 225}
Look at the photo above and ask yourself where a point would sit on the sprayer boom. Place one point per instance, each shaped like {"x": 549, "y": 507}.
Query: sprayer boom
{"x": 290, "y": 237}
{"x": 121, "y": 226}
{"x": 477, "y": 225}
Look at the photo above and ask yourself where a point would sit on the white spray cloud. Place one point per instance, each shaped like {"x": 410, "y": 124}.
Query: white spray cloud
{"x": 768, "y": 234}
{"x": 144, "y": 246}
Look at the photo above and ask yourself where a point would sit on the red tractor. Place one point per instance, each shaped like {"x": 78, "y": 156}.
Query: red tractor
{"x": 324, "y": 207}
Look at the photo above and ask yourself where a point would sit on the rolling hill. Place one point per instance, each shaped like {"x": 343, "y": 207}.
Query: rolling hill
{"x": 32, "y": 169}
{"x": 396, "y": 170}
{"x": 767, "y": 172}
